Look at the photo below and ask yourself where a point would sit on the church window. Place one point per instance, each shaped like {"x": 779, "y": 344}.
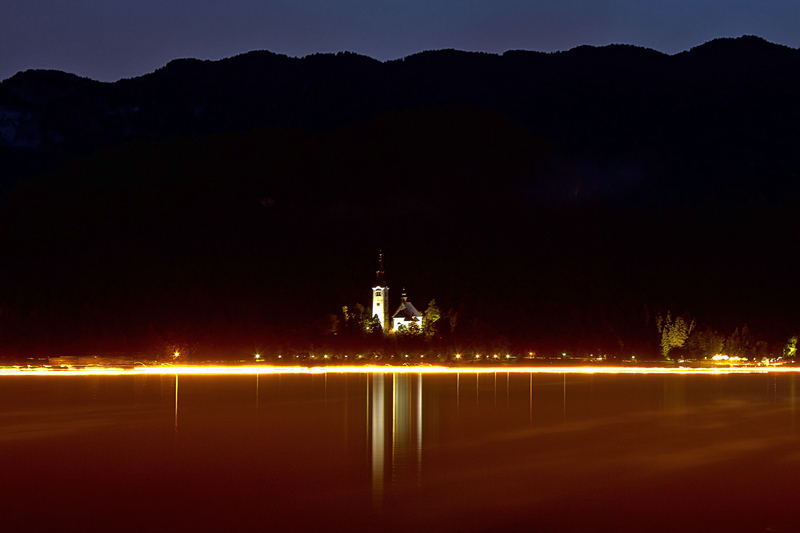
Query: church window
{"x": 378, "y": 293}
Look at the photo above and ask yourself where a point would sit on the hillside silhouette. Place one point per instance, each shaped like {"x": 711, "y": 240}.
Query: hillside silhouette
{"x": 558, "y": 200}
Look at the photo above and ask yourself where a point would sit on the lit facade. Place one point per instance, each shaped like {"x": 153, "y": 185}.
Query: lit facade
{"x": 380, "y": 298}
{"x": 406, "y": 314}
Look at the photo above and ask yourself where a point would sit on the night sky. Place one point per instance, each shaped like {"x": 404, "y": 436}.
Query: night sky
{"x": 112, "y": 39}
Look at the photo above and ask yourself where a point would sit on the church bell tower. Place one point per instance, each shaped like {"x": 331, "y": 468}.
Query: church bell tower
{"x": 380, "y": 297}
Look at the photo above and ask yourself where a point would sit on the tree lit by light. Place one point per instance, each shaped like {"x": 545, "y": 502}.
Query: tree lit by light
{"x": 674, "y": 333}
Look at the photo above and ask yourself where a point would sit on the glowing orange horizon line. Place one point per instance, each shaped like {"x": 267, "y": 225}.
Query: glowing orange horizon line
{"x": 249, "y": 370}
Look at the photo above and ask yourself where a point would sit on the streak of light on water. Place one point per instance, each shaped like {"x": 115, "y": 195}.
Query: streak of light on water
{"x": 261, "y": 369}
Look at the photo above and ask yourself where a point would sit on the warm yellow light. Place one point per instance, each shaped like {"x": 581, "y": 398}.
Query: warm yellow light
{"x": 366, "y": 369}
{"x": 176, "y": 354}
{"x": 458, "y": 356}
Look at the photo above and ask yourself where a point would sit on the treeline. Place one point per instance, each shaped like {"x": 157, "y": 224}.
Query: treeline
{"x": 353, "y": 336}
{"x": 348, "y": 336}
{"x": 681, "y": 340}
{"x": 225, "y": 245}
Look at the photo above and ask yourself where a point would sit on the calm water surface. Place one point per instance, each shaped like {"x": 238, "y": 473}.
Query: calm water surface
{"x": 400, "y": 452}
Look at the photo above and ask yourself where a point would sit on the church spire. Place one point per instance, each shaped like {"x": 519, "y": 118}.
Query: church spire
{"x": 380, "y": 278}
{"x": 380, "y": 296}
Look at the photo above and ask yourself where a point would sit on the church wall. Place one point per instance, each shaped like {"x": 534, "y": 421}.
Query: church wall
{"x": 399, "y": 321}
{"x": 380, "y": 305}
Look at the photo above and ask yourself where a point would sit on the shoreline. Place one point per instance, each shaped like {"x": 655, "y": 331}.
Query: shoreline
{"x": 165, "y": 369}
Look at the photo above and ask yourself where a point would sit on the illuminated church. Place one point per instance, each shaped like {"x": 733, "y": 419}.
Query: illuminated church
{"x": 405, "y": 315}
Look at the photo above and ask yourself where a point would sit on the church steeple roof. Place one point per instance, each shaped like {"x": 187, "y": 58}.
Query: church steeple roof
{"x": 380, "y": 278}
{"x": 407, "y": 311}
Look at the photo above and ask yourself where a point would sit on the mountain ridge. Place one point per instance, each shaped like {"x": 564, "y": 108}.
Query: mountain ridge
{"x": 59, "y": 115}
{"x": 561, "y": 199}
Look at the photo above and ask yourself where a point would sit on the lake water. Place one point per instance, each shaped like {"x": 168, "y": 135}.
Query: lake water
{"x": 400, "y": 452}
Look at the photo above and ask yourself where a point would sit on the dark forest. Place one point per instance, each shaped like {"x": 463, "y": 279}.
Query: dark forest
{"x": 548, "y": 203}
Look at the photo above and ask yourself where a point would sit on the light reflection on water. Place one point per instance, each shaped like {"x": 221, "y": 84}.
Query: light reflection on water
{"x": 564, "y": 452}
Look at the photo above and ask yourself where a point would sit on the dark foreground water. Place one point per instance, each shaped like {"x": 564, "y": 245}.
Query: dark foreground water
{"x": 402, "y": 452}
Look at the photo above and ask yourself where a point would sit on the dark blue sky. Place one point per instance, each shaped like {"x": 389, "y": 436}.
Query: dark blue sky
{"x": 110, "y": 39}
